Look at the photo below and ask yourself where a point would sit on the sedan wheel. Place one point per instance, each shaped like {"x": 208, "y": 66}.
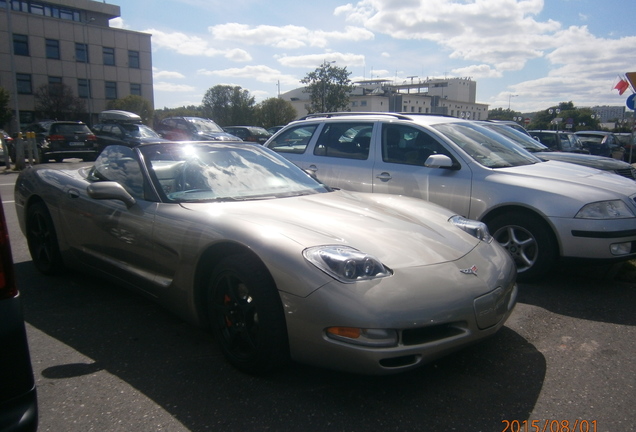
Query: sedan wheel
{"x": 42, "y": 240}
{"x": 247, "y": 315}
{"x": 528, "y": 241}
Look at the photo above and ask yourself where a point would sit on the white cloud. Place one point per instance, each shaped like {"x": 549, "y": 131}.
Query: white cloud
{"x": 157, "y": 74}
{"x": 315, "y": 60}
{"x": 170, "y": 87}
{"x": 258, "y": 73}
{"x": 193, "y": 46}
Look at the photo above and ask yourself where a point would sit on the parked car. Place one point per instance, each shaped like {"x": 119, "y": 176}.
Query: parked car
{"x": 123, "y": 128}
{"x": 235, "y": 237}
{"x": 512, "y": 124}
{"x": 18, "y": 394}
{"x": 249, "y": 133}
{"x": 542, "y": 152}
{"x": 192, "y": 129}
{"x": 601, "y": 143}
{"x": 68, "y": 139}
{"x": 537, "y": 210}
{"x": 628, "y": 142}
{"x": 559, "y": 141}
{"x": 7, "y": 145}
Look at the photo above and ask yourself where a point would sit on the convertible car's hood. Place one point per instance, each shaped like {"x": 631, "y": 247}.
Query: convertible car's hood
{"x": 559, "y": 176}
{"x": 399, "y": 231}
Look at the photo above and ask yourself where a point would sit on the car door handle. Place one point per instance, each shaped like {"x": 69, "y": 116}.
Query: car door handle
{"x": 73, "y": 193}
{"x": 385, "y": 176}
{"x": 312, "y": 168}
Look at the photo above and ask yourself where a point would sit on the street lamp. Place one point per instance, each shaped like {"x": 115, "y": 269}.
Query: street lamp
{"x": 556, "y": 112}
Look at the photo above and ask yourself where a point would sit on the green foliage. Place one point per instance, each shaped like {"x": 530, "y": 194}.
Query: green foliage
{"x": 135, "y": 104}
{"x": 579, "y": 118}
{"x": 57, "y": 101}
{"x": 5, "y": 111}
{"x": 329, "y": 88}
{"x": 228, "y": 105}
{"x": 274, "y": 112}
{"x": 503, "y": 114}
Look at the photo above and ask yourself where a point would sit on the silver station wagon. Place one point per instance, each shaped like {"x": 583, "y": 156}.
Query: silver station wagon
{"x": 538, "y": 210}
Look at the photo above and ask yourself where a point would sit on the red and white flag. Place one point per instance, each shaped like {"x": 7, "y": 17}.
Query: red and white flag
{"x": 622, "y": 85}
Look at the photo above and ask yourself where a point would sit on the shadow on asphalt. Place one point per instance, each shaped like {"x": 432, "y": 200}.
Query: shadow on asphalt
{"x": 181, "y": 369}
{"x": 603, "y": 293}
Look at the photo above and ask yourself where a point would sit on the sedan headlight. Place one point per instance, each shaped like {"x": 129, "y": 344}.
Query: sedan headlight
{"x": 615, "y": 209}
{"x": 475, "y": 228}
{"x": 345, "y": 263}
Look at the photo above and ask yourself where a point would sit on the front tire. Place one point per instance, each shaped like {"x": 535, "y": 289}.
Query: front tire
{"x": 528, "y": 240}
{"x": 246, "y": 315}
{"x": 42, "y": 240}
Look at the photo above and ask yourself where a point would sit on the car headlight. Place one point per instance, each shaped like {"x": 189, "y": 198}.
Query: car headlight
{"x": 475, "y": 228}
{"x": 345, "y": 263}
{"x": 615, "y": 209}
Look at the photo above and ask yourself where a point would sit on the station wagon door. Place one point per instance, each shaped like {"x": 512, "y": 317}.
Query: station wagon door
{"x": 400, "y": 170}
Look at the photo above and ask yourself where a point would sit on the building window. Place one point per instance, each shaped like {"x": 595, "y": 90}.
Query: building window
{"x": 53, "y": 49}
{"x": 110, "y": 89}
{"x": 83, "y": 88}
{"x": 20, "y": 45}
{"x": 133, "y": 59}
{"x": 81, "y": 52}
{"x": 109, "y": 56}
{"x": 135, "y": 89}
{"x": 23, "y": 82}
{"x": 55, "y": 86}
{"x": 363, "y": 103}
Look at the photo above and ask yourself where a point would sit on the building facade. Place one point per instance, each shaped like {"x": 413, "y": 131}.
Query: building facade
{"x": 455, "y": 97}
{"x": 70, "y": 42}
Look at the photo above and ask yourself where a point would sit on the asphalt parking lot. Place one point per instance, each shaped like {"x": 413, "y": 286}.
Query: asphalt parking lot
{"x": 106, "y": 359}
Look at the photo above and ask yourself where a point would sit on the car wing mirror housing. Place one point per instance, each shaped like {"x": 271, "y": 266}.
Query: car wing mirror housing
{"x": 110, "y": 190}
{"x": 438, "y": 161}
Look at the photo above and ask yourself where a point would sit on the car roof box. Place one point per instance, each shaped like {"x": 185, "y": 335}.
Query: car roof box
{"x": 118, "y": 116}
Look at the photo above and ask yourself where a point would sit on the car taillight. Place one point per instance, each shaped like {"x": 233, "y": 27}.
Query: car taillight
{"x": 91, "y": 137}
{"x": 55, "y": 138}
{"x": 251, "y": 139}
{"x": 7, "y": 278}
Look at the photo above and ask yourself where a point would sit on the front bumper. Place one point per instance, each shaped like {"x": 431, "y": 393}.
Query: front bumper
{"x": 433, "y": 309}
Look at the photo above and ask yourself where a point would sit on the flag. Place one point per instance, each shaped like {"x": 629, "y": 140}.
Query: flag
{"x": 631, "y": 77}
{"x": 621, "y": 86}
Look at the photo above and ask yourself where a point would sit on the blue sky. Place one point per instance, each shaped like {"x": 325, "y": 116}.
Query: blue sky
{"x": 530, "y": 54}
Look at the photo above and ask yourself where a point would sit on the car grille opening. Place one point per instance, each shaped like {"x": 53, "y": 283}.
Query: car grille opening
{"x": 434, "y": 333}
{"x": 629, "y": 173}
{"x": 399, "y": 361}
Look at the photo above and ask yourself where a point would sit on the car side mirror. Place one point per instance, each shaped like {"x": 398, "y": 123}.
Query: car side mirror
{"x": 110, "y": 190}
{"x": 438, "y": 161}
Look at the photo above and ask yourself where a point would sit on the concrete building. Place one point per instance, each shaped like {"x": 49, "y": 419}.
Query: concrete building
{"x": 455, "y": 97}
{"x": 70, "y": 42}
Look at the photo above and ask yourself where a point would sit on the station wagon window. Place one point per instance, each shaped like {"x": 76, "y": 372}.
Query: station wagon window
{"x": 348, "y": 140}
{"x": 407, "y": 145}
{"x": 119, "y": 164}
{"x": 294, "y": 140}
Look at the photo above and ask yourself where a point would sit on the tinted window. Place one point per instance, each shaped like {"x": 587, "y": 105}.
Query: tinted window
{"x": 293, "y": 140}
{"x": 344, "y": 140}
{"x": 407, "y": 145}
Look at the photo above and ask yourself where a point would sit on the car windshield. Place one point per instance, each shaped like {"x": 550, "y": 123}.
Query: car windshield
{"x": 205, "y": 125}
{"x": 204, "y": 172}
{"x": 140, "y": 131}
{"x": 597, "y": 139}
{"x": 528, "y": 143}
{"x": 485, "y": 146}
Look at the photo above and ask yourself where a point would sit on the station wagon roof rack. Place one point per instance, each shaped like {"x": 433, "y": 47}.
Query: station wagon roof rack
{"x": 398, "y": 115}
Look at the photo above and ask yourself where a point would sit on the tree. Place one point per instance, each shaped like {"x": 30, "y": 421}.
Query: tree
{"x": 57, "y": 101}
{"x": 274, "y": 112}
{"x": 329, "y": 88}
{"x": 229, "y": 106}
{"x": 564, "y": 114}
{"x": 135, "y": 104}
{"x": 5, "y": 111}
{"x": 503, "y": 114}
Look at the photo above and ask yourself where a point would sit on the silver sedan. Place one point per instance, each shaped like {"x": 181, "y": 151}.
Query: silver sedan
{"x": 280, "y": 267}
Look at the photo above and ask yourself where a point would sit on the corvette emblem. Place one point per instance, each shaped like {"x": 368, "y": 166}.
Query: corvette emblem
{"x": 472, "y": 270}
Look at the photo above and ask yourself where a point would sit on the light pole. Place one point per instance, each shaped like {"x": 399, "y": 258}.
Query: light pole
{"x": 556, "y": 112}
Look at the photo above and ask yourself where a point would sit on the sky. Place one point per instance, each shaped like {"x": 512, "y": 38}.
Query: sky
{"x": 526, "y": 55}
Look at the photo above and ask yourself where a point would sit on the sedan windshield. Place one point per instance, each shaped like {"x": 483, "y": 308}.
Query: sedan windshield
{"x": 204, "y": 125}
{"x": 486, "y": 147}
{"x": 203, "y": 172}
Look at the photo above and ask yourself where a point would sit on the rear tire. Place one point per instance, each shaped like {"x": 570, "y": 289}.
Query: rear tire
{"x": 528, "y": 240}
{"x": 246, "y": 315}
{"x": 42, "y": 240}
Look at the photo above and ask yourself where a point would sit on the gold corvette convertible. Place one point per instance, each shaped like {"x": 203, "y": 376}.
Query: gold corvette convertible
{"x": 236, "y": 238}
